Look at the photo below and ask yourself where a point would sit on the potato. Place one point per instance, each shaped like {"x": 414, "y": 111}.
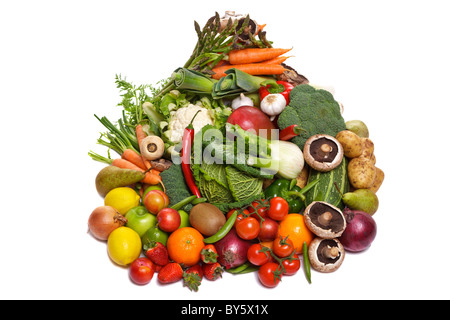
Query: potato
{"x": 368, "y": 150}
{"x": 361, "y": 173}
{"x": 379, "y": 178}
{"x": 302, "y": 178}
{"x": 206, "y": 218}
{"x": 351, "y": 143}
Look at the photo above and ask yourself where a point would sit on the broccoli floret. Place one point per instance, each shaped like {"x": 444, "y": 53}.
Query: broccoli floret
{"x": 315, "y": 111}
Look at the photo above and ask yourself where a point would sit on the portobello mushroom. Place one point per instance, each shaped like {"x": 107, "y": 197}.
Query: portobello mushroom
{"x": 326, "y": 255}
{"x": 323, "y": 152}
{"x": 324, "y": 220}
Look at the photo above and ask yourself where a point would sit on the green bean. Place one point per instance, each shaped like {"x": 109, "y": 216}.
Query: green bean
{"x": 249, "y": 269}
{"x": 306, "y": 263}
{"x": 198, "y": 200}
{"x": 239, "y": 269}
{"x": 224, "y": 230}
{"x": 182, "y": 203}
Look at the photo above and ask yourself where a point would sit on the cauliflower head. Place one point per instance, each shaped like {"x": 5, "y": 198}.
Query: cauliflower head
{"x": 181, "y": 118}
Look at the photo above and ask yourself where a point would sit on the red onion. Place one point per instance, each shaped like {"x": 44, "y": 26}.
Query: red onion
{"x": 360, "y": 232}
{"x": 232, "y": 250}
{"x": 104, "y": 220}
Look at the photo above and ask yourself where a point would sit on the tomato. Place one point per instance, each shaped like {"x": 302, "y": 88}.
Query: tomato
{"x": 269, "y": 230}
{"x": 291, "y": 265}
{"x": 279, "y": 208}
{"x": 240, "y": 216}
{"x": 141, "y": 271}
{"x": 258, "y": 255}
{"x": 155, "y": 201}
{"x": 258, "y": 209}
{"x": 283, "y": 247}
{"x": 248, "y": 228}
{"x": 168, "y": 219}
{"x": 252, "y": 118}
{"x": 270, "y": 274}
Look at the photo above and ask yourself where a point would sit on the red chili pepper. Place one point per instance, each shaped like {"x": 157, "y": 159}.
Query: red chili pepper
{"x": 188, "y": 140}
{"x": 290, "y": 132}
{"x": 282, "y": 87}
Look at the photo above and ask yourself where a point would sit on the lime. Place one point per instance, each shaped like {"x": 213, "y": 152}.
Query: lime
{"x": 184, "y": 219}
{"x": 124, "y": 246}
{"x": 154, "y": 234}
{"x": 122, "y": 199}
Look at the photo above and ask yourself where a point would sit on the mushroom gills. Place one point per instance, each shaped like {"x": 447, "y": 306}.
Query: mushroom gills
{"x": 326, "y": 255}
{"x": 328, "y": 252}
{"x": 325, "y": 220}
{"x": 324, "y": 150}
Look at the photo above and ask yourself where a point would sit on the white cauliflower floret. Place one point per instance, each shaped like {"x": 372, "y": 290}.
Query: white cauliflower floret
{"x": 181, "y": 118}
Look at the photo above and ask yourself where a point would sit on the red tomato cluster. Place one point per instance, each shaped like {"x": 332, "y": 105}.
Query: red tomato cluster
{"x": 274, "y": 255}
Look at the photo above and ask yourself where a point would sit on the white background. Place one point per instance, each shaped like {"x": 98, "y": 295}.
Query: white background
{"x": 387, "y": 60}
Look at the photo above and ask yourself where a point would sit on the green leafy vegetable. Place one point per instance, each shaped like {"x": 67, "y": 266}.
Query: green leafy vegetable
{"x": 315, "y": 111}
{"x": 176, "y": 187}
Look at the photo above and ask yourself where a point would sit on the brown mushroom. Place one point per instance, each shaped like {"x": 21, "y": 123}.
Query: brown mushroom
{"x": 324, "y": 220}
{"x": 323, "y": 152}
{"x": 152, "y": 147}
{"x": 326, "y": 255}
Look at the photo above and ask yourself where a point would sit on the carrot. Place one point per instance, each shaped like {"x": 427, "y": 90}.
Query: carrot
{"x": 125, "y": 164}
{"x": 134, "y": 158}
{"x": 277, "y": 60}
{"x": 140, "y": 135}
{"x": 151, "y": 176}
{"x": 251, "y": 55}
{"x": 250, "y": 68}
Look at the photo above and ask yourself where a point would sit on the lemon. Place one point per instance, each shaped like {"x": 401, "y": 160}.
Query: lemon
{"x": 124, "y": 246}
{"x": 122, "y": 199}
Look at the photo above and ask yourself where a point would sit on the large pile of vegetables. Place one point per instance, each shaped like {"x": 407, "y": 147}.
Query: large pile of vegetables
{"x": 233, "y": 163}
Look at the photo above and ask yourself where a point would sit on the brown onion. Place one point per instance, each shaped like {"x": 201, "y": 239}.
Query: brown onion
{"x": 104, "y": 220}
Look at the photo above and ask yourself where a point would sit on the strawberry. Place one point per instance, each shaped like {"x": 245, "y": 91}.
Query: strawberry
{"x": 209, "y": 254}
{"x": 157, "y": 253}
{"x": 193, "y": 276}
{"x": 212, "y": 271}
{"x": 171, "y": 272}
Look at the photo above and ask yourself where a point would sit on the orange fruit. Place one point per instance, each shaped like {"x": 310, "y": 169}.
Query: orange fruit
{"x": 184, "y": 246}
{"x": 293, "y": 225}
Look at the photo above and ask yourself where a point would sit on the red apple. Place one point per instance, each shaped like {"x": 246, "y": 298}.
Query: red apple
{"x": 252, "y": 118}
{"x": 168, "y": 219}
{"x": 141, "y": 271}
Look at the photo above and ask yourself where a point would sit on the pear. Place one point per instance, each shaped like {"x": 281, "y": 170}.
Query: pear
{"x": 358, "y": 127}
{"x": 112, "y": 177}
{"x": 362, "y": 199}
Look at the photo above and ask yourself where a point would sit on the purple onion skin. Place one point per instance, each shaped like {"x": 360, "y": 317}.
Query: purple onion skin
{"x": 232, "y": 250}
{"x": 360, "y": 232}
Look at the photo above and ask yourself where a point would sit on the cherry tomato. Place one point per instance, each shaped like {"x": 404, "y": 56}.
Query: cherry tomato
{"x": 261, "y": 209}
{"x": 258, "y": 255}
{"x": 251, "y": 118}
{"x": 291, "y": 265}
{"x": 155, "y": 201}
{"x": 248, "y": 228}
{"x": 283, "y": 247}
{"x": 279, "y": 208}
{"x": 168, "y": 219}
{"x": 240, "y": 216}
{"x": 270, "y": 274}
{"x": 141, "y": 270}
{"x": 269, "y": 230}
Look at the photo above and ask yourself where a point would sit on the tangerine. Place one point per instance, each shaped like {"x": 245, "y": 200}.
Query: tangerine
{"x": 293, "y": 225}
{"x": 184, "y": 246}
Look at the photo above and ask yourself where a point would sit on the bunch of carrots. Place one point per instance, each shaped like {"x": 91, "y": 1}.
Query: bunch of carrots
{"x": 254, "y": 61}
{"x": 130, "y": 159}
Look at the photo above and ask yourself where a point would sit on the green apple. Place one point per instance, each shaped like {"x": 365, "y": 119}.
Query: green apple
{"x": 140, "y": 220}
